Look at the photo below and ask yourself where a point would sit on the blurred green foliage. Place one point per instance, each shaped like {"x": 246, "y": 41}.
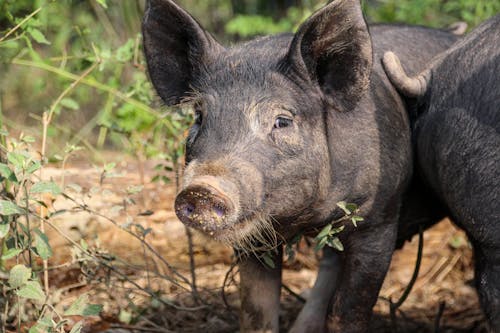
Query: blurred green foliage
{"x": 51, "y": 44}
{"x": 434, "y": 13}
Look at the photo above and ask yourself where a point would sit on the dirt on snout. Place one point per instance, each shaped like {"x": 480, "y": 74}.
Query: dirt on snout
{"x": 107, "y": 216}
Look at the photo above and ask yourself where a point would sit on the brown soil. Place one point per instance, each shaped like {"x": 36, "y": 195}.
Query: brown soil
{"x": 442, "y": 291}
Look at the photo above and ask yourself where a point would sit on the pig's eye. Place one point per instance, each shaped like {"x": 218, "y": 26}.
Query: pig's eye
{"x": 198, "y": 117}
{"x": 282, "y": 122}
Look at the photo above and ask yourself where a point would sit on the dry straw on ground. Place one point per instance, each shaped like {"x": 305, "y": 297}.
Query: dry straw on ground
{"x": 443, "y": 294}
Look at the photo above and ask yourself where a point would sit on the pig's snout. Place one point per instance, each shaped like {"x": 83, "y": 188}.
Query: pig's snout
{"x": 206, "y": 204}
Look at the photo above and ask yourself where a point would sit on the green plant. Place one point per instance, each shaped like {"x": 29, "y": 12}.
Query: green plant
{"x": 434, "y": 13}
{"x": 23, "y": 207}
{"x": 328, "y": 235}
{"x": 94, "y": 72}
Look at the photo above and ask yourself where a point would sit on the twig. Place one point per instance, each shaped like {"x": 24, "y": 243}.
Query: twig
{"x": 394, "y": 306}
{"x": 437, "y": 321}
{"x": 30, "y": 240}
{"x": 149, "y": 247}
{"x": 192, "y": 265}
{"x": 78, "y": 137}
{"x": 97, "y": 85}
{"x": 449, "y": 267}
{"x": 11, "y": 31}
{"x": 46, "y": 119}
{"x": 225, "y": 283}
{"x": 143, "y": 329}
{"x": 293, "y": 293}
{"x": 6, "y": 309}
{"x": 119, "y": 273}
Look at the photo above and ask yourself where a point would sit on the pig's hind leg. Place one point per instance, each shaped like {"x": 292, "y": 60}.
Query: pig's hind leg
{"x": 487, "y": 276}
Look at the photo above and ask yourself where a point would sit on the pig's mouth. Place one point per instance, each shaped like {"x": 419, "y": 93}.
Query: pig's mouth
{"x": 212, "y": 206}
{"x": 254, "y": 233}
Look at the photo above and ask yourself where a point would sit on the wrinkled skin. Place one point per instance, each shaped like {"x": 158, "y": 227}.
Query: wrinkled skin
{"x": 457, "y": 140}
{"x": 287, "y": 126}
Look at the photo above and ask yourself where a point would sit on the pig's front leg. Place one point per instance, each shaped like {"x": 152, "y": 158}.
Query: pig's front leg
{"x": 260, "y": 287}
{"x": 366, "y": 260}
{"x": 312, "y": 317}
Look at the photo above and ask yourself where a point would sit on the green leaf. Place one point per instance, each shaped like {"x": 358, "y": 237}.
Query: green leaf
{"x": 109, "y": 167}
{"x": 343, "y": 205}
{"x": 80, "y": 307}
{"x": 134, "y": 189}
{"x": 56, "y": 158}
{"x": 10, "y": 44}
{"x": 324, "y": 232}
{"x": 9, "y": 208}
{"x": 16, "y": 159}
{"x": 19, "y": 275}
{"x": 355, "y": 219}
{"x": 28, "y": 139}
{"x": 46, "y": 187}
{"x": 38, "y": 36}
{"x": 126, "y": 51}
{"x": 4, "y": 229}
{"x": 42, "y": 245}
{"x": 103, "y": 3}
{"x": 36, "y": 329}
{"x": 336, "y": 244}
{"x": 7, "y": 173}
{"x": 337, "y": 230}
{"x": 31, "y": 290}
{"x": 46, "y": 322}
{"x": 456, "y": 242}
{"x": 84, "y": 244}
{"x": 125, "y": 316}
{"x": 92, "y": 310}
{"x": 11, "y": 253}
{"x": 77, "y": 328}
{"x": 351, "y": 207}
{"x": 321, "y": 243}
{"x": 33, "y": 167}
{"x": 70, "y": 103}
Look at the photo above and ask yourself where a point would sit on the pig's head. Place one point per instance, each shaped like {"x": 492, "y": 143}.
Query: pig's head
{"x": 257, "y": 154}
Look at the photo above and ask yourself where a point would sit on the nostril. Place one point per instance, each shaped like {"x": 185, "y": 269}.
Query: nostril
{"x": 220, "y": 211}
{"x": 188, "y": 209}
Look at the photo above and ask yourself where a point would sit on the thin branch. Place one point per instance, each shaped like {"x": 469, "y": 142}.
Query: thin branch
{"x": 293, "y": 293}
{"x": 437, "y": 321}
{"x": 119, "y": 273}
{"x": 94, "y": 84}
{"x": 225, "y": 283}
{"x": 192, "y": 265}
{"x": 395, "y": 306}
{"x": 149, "y": 247}
{"x": 46, "y": 120}
{"x": 143, "y": 329}
{"x": 11, "y": 31}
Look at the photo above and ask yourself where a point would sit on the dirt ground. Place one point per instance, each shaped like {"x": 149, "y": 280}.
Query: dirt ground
{"x": 129, "y": 273}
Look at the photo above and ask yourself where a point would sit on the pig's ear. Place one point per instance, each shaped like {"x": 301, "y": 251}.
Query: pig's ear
{"x": 176, "y": 46}
{"x": 333, "y": 49}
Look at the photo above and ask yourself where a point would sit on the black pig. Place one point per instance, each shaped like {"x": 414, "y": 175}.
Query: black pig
{"x": 287, "y": 126}
{"x": 457, "y": 143}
